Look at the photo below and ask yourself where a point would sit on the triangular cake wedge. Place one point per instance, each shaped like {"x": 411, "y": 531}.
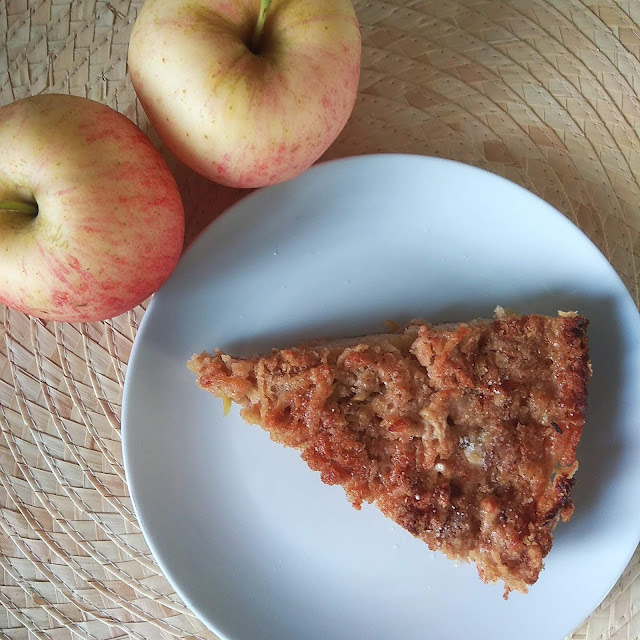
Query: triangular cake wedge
{"x": 463, "y": 434}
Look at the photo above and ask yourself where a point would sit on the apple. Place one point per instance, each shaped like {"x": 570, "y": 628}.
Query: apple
{"x": 91, "y": 221}
{"x": 244, "y": 93}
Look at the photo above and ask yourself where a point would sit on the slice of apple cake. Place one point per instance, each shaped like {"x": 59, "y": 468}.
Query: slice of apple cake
{"x": 464, "y": 434}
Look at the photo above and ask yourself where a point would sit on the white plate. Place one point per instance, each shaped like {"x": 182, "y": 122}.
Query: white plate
{"x": 251, "y": 539}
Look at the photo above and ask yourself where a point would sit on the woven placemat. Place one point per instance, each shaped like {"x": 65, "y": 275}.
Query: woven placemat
{"x": 543, "y": 93}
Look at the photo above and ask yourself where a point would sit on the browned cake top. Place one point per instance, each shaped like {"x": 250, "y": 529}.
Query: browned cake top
{"x": 464, "y": 434}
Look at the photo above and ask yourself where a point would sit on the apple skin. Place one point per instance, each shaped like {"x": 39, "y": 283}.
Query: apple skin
{"x": 110, "y": 221}
{"x": 239, "y": 118}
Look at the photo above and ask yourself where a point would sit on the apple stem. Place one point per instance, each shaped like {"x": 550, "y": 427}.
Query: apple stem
{"x": 22, "y": 207}
{"x": 257, "y": 32}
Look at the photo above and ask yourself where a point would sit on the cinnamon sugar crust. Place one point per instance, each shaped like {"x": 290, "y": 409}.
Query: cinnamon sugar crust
{"x": 464, "y": 434}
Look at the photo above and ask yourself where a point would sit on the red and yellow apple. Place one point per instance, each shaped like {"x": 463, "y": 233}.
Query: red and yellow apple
{"x": 244, "y": 93}
{"x": 91, "y": 221}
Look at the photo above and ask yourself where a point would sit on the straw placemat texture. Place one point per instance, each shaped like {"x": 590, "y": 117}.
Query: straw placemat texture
{"x": 543, "y": 93}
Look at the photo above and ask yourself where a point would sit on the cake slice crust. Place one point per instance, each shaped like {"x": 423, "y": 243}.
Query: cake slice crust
{"x": 463, "y": 434}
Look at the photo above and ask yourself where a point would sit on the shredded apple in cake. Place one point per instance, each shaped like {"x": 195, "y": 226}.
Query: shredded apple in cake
{"x": 465, "y": 434}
